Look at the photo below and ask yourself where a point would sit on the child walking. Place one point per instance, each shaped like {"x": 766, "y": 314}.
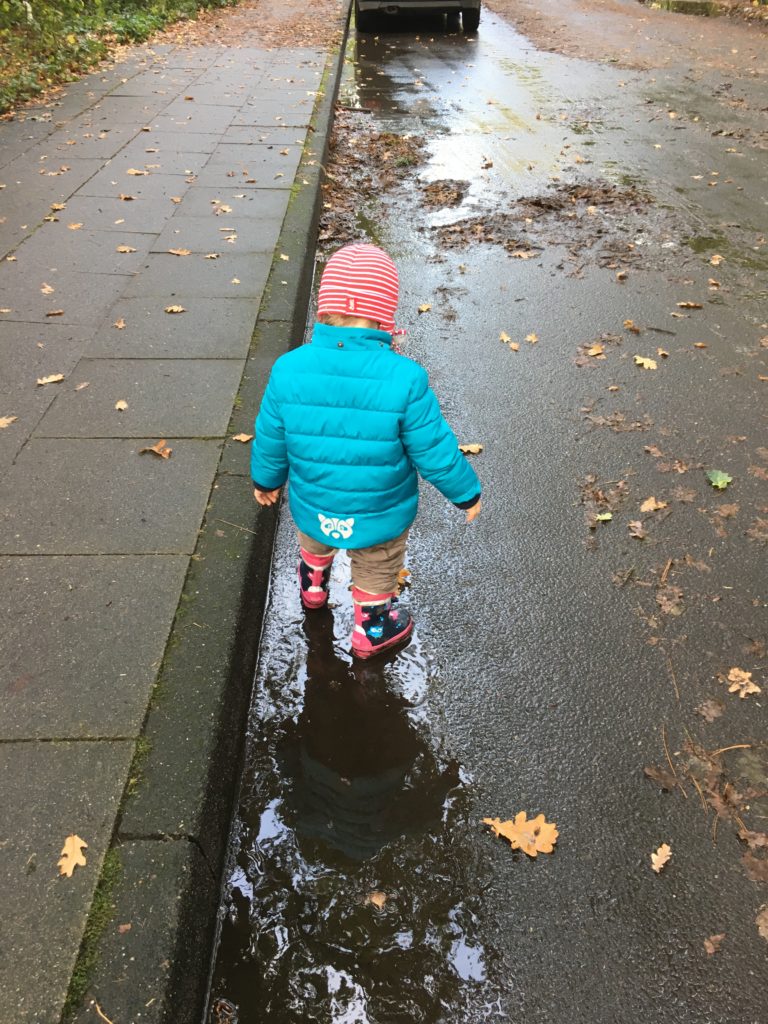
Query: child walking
{"x": 350, "y": 424}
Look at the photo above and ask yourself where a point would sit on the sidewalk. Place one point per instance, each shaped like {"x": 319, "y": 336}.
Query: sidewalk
{"x": 132, "y": 585}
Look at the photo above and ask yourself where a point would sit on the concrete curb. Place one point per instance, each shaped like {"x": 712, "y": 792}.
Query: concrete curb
{"x": 173, "y": 830}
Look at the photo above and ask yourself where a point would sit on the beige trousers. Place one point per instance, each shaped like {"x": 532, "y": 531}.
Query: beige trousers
{"x": 375, "y": 569}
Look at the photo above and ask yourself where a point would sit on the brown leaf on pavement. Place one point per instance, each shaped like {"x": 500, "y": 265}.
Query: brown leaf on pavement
{"x": 244, "y": 438}
{"x": 175, "y": 309}
{"x": 55, "y": 312}
{"x": 761, "y": 920}
{"x": 636, "y": 529}
{"x": 159, "y": 448}
{"x": 119, "y": 324}
{"x": 125, "y": 248}
{"x": 47, "y": 289}
{"x": 754, "y": 840}
{"x": 670, "y": 600}
{"x": 661, "y": 857}
{"x": 741, "y": 683}
{"x": 532, "y": 836}
{"x": 652, "y": 505}
{"x": 180, "y": 252}
{"x": 54, "y": 378}
{"x": 690, "y": 305}
{"x": 663, "y": 776}
{"x": 72, "y": 855}
{"x": 121, "y": 405}
{"x": 758, "y": 530}
{"x": 710, "y": 710}
{"x": 378, "y": 899}
{"x": 135, "y": 172}
{"x": 713, "y": 943}
{"x": 6, "y": 421}
{"x": 470, "y": 449}
{"x": 755, "y": 867}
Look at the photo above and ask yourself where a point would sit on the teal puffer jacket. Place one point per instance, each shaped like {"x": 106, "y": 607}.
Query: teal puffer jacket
{"x": 350, "y": 423}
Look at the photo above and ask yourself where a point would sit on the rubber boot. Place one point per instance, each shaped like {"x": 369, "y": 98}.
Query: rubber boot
{"x": 314, "y": 573}
{"x": 379, "y": 623}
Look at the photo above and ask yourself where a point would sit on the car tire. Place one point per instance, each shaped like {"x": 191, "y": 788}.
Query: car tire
{"x": 470, "y": 17}
{"x": 364, "y": 20}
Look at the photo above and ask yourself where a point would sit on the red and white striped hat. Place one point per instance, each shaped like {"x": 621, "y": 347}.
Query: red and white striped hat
{"x": 360, "y": 280}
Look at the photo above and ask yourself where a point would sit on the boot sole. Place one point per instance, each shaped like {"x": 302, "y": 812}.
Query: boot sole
{"x": 365, "y": 654}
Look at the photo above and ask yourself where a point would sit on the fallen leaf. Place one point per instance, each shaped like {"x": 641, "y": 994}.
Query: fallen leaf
{"x": 603, "y": 517}
{"x": 211, "y": 256}
{"x": 670, "y": 600}
{"x": 652, "y": 505}
{"x": 630, "y": 325}
{"x": 425, "y": 307}
{"x": 159, "y": 448}
{"x": 284, "y": 257}
{"x": 515, "y": 346}
{"x": 532, "y": 338}
{"x": 121, "y": 405}
{"x": 595, "y": 350}
{"x": 119, "y": 324}
{"x": 727, "y": 511}
{"x": 647, "y": 364}
{"x": 713, "y": 943}
{"x": 125, "y": 248}
{"x": 662, "y": 353}
{"x": 235, "y": 280}
{"x": 46, "y": 289}
{"x": 663, "y": 776}
{"x": 127, "y": 199}
{"x": 636, "y": 529}
{"x": 176, "y": 199}
{"x": 175, "y": 309}
{"x": 471, "y": 449}
{"x": 756, "y": 867}
{"x": 378, "y": 899}
{"x": 689, "y": 305}
{"x": 700, "y": 344}
{"x": 761, "y": 920}
{"x": 58, "y": 206}
{"x": 53, "y": 379}
{"x": 55, "y": 312}
{"x": 505, "y": 337}
{"x": 244, "y": 438}
{"x": 75, "y": 227}
{"x": 123, "y": 928}
{"x": 6, "y": 421}
{"x": 621, "y": 275}
{"x": 135, "y": 172}
{"x": 661, "y": 857}
{"x": 72, "y": 855}
{"x": 180, "y": 252}
{"x": 760, "y": 472}
{"x": 716, "y": 260}
{"x": 719, "y": 479}
{"x": 82, "y": 386}
{"x": 532, "y": 837}
{"x": 710, "y": 710}
{"x": 741, "y": 683}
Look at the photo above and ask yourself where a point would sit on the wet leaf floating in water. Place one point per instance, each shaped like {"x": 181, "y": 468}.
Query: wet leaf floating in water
{"x": 719, "y": 479}
{"x": 660, "y": 858}
{"x": 72, "y": 855}
{"x": 532, "y": 836}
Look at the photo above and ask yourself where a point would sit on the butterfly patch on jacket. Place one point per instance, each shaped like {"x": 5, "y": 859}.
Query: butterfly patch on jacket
{"x": 338, "y": 529}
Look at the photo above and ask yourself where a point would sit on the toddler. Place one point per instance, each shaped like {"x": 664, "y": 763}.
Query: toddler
{"x": 351, "y": 424}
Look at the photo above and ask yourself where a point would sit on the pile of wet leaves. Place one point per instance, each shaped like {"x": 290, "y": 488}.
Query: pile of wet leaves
{"x": 363, "y": 164}
{"x": 442, "y": 194}
{"x": 596, "y": 221}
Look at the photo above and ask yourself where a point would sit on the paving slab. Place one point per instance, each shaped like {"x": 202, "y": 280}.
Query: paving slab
{"x": 64, "y": 142}
{"x": 135, "y": 961}
{"x": 210, "y": 328}
{"x": 196, "y": 117}
{"x": 126, "y": 109}
{"x": 138, "y": 155}
{"x": 274, "y": 116}
{"x": 103, "y": 497}
{"x": 166, "y": 397}
{"x": 82, "y": 300}
{"x": 103, "y": 212}
{"x": 272, "y": 135}
{"x": 19, "y": 137}
{"x": 255, "y": 202}
{"x": 261, "y": 167}
{"x": 219, "y": 94}
{"x": 219, "y": 234}
{"x": 105, "y": 621}
{"x": 228, "y": 276}
{"x": 199, "y": 58}
{"x": 157, "y": 82}
{"x": 84, "y": 251}
{"x": 151, "y": 186}
{"x": 58, "y": 789}
{"x": 190, "y": 142}
{"x": 27, "y": 353}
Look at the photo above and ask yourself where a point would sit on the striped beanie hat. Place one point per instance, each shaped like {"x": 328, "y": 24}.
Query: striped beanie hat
{"x": 360, "y": 280}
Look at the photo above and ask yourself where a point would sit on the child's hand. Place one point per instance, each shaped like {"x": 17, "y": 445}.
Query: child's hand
{"x": 266, "y": 497}
{"x": 474, "y": 512}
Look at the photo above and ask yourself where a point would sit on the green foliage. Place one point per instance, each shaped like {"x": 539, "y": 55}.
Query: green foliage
{"x": 46, "y": 42}
{"x": 719, "y": 479}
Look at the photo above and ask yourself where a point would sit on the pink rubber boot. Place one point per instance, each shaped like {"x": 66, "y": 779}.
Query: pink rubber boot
{"x": 379, "y": 623}
{"x": 314, "y": 573}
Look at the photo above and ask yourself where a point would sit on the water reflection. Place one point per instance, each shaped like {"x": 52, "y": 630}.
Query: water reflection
{"x": 347, "y": 799}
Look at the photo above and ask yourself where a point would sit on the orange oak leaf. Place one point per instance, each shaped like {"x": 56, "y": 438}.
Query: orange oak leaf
{"x": 160, "y": 448}
{"x": 72, "y": 855}
{"x": 532, "y": 836}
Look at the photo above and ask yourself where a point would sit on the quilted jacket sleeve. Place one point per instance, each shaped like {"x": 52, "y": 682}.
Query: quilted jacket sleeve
{"x": 432, "y": 446}
{"x": 269, "y": 458}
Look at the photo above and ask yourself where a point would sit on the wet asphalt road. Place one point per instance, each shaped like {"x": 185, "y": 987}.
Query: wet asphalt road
{"x": 546, "y": 670}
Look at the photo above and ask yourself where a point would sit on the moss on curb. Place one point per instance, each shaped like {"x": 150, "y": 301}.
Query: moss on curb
{"x": 101, "y": 913}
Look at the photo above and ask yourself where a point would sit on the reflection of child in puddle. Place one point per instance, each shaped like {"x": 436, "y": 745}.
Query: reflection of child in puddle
{"x": 363, "y": 774}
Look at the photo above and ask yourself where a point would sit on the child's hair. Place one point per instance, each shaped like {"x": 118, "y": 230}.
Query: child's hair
{"x": 338, "y": 320}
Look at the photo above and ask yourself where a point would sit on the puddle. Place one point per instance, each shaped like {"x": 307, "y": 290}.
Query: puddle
{"x": 701, "y": 7}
